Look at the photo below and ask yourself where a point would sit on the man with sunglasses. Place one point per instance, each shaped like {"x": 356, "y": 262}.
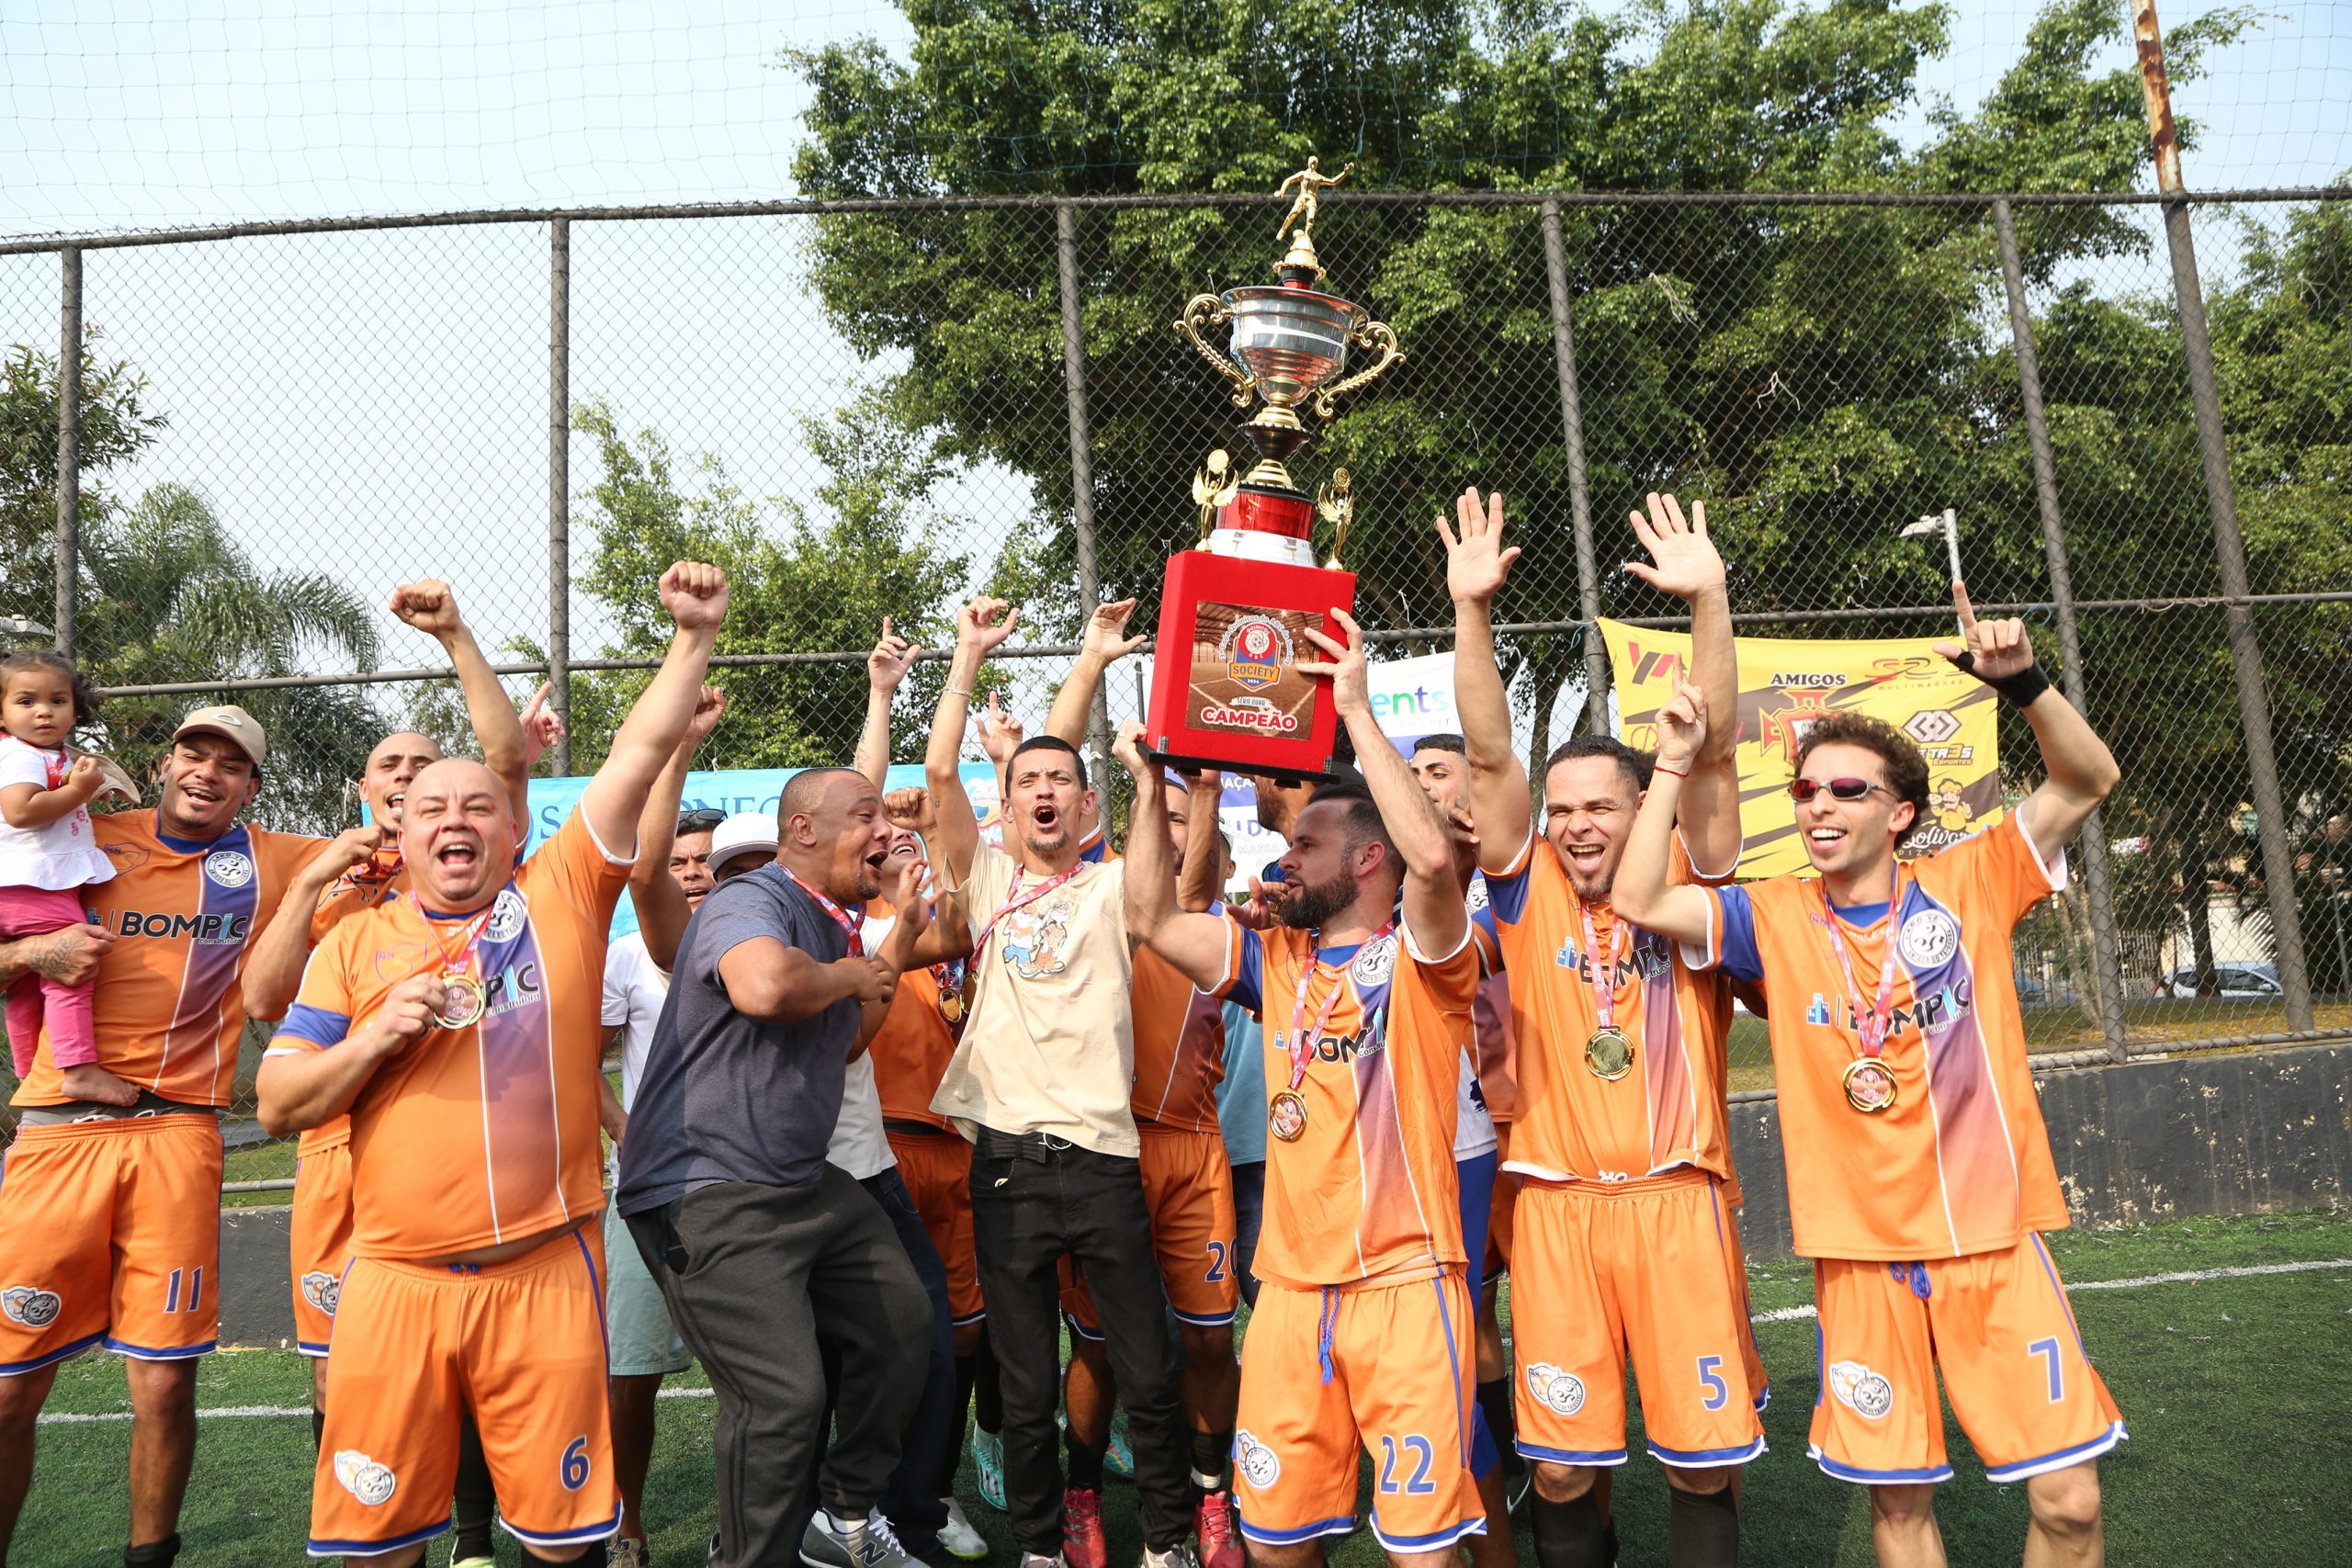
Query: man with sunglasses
{"x": 1620, "y": 1137}
{"x": 1919, "y": 1170}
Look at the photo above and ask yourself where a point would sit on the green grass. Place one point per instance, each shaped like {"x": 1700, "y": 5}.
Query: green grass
{"x": 2235, "y": 1392}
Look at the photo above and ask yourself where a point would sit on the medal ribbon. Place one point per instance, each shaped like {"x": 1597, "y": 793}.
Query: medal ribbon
{"x": 461, "y": 964}
{"x": 1301, "y": 1047}
{"x": 1604, "y": 992}
{"x": 1872, "y": 1024}
{"x": 1014, "y": 902}
{"x": 841, "y": 916}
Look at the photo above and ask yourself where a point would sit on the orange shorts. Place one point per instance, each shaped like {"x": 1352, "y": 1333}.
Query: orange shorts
{"x": 1750, "y": 1356}
{"x": 1385, "y": 1370}
{"x": 937, "y": 1169}
{"x": 1188, "y": 1188}
{"x": 110, "y": 1234}
{"x": 520, "y": 1344}
{"x": 1647, "y": 1269}
{"x": 1500, "y": 1209}
{"x": 322, "y": 1243}
{"x": 1998, "y": 1329}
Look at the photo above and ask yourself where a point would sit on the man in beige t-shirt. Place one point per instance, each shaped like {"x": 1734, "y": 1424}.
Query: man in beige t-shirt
{"x": 1040, "y": 1084}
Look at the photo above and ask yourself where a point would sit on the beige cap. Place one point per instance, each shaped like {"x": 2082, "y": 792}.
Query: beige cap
{"x": 230, "y": 723}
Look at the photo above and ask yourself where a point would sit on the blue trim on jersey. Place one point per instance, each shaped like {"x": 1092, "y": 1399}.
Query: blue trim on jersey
{"x": 1344, "y": 1525}
{"x": 1875, "y": 1477}
{"x": 1469, "y": 1444}
{"x": 377, "y": 1547}
{"x": 1570, "y": 1456}
{"x": 1507, "y": 896}
{"x": 177, "y": 1353}
{"x": 1860, "y": 916}
{"x": 1763, "y": 1399}
{"x": 1737, "y": 952}
{"x": 1702, "y": 1458}
{"x": 2049, "y": 1268}
{"x": 563, "y": 1537}
{"x": 2026, "y": 1468}
{"x": 16, "y": 1368}
{"x": 305, "y": 1347}
{"x": 1218, "y": 1320}
{"x": 1248, "y": 986}
{"x": 318, "y": 1025}
{"x": 1434, "y": 1540}
{"x": 236, "y": 838}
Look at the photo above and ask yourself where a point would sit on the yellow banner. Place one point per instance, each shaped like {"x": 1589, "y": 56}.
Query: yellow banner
{"x": 1785, "y": 686}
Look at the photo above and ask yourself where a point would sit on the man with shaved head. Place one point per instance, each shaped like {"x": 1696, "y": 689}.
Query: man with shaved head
{"x": 457, "y": 1026}
{"x": 762, "y": 1247}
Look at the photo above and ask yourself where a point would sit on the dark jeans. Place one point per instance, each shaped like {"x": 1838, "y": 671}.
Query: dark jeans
{"x": 1249, "y": 1212}
{"x": 1032, "y": 1205}
{"x": 753, "y": 1276}
{"x": 912, "y": 1501}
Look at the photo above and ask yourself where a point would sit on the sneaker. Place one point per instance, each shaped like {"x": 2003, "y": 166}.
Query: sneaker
{"x": 1213, "y": 1521}
{"x": 479, "y": 1562}
{"x": 829, "y": 1542}
{"x": 1082, "y": 1542}
{"x": 987, "y": 1458}
{"x": 1118, "y": 1456}
{"x": 712, "y": 1556}
{"x": 1519, "y": 1484}
{"x": 1178, "y": 1556}
{"x": 622, "y": 1552}
{"x": 957, "y": 1537}
{"x": 1031, "y": 1559}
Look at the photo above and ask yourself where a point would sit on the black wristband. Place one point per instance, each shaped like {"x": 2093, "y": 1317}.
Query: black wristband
{"x": 2020, "y": 688}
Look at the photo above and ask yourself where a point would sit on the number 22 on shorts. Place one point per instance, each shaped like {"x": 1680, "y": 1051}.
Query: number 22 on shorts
{"x": 1423, "y": 1458}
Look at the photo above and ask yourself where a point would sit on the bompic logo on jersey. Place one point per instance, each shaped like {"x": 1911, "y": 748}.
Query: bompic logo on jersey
{"x": 1258, "y": 1464}
{"x": 229, "y": 868}
{"x": 371, "y": 1483}
{"x": 1560, "y": 1393}
{"x": 506, "y": 917}
{"x": 1865, "y": 1393}
{"x": 1375, "y": 962}
{"x": 321, "y": 1290}
{"x": 1930, "y": 939}
{"x": 1254, "y": 649}
{"x": 30, "y": 1305}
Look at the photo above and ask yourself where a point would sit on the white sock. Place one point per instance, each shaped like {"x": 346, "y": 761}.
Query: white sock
{"x": 838, "y": 1525}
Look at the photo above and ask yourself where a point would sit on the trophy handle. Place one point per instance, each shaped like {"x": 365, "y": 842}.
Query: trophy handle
{"x": 1367, "y": 334}
{"x": 1208, "y": 311}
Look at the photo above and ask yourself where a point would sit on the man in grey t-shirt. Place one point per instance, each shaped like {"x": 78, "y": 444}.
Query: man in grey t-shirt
{"x": 759, "y": 1246}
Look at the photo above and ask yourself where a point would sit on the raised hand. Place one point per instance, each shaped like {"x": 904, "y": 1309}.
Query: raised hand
{"x": 352, "y": 847}
{"x": 695, "y": 594}
{"x": 1348, "y": 668}
{"x": 910, "y": 809}
{"x": 1683, "y": 558}
{"x": 1681, "y": 726}
{"x": 1260, "y": 913}
{"x": 710, "y": 706}
{"x": 978, "y": 627}
{"x": 915, "y": 909}
{"x": 1475, "y": 561}
{"x": 1001, "y": 732}
{"x": 542, "y": 726}
{"x": 429, "y": 606}
{"x": 892, "y": 657}
{"x": 1128, "y": 749}
{"x": 1106, "y": 639}
{"x": 1997, "y": 648}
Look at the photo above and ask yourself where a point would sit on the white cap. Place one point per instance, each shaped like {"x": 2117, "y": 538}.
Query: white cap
{"x": 743, "y": 832}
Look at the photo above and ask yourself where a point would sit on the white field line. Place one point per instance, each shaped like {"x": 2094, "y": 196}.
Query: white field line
{"x": 1783, "y": 1314}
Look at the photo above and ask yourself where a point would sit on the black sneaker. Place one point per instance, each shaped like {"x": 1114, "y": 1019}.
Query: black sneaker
{"x": 863, "y": 1543}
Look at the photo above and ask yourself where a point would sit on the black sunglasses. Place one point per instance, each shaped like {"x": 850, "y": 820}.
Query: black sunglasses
{"x": 702, "y": 819}
{"x": 1803, "y": 790}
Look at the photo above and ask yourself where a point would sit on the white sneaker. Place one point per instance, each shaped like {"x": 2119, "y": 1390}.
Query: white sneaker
{"x": 957, "y": 1537}
{"x": 852, "y": 1543}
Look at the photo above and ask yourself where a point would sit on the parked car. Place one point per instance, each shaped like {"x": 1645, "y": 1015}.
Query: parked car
{"x": 2244, "y": 980}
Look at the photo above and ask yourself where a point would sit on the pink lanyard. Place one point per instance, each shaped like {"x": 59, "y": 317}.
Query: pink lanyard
{"x": 1604, "y": 993}
{"x": 1872, "y": 1024}
{"x": 1301, "y": 1047}
{"x": 461, "y": 964}
{"x": 840, "y": 915}
{"x": 1013, "y": 901}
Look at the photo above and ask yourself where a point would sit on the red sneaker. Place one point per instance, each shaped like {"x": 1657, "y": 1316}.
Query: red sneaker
{"x": 1220, "y": 1535}
{"x": 1082, "y": 1542}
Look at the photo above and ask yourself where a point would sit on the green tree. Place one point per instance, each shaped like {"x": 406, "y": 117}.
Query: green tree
{"x": 116, "y": 426}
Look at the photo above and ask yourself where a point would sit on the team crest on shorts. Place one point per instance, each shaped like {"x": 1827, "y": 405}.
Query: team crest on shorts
{"x": 506, "y": 917}
{"x": 1930, "y": 939}
{"x": 1255, "y": 1460}
{"x": 1860, "y": 1390}
{"x": 371, "y": 1483}
{"x": 229, "y": 868}
{"x": 1560, "y": 1393}
{"x": 1374, "y": 963}
{"x": 321, "y": 1290}
{"x": 30, "y": 1305}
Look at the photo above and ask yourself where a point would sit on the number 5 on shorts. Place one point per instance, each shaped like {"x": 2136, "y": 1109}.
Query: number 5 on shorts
{"x": 1711, "y": 1378}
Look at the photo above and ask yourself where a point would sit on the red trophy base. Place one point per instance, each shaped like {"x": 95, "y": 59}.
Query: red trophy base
{"x": 1225, "y": 692}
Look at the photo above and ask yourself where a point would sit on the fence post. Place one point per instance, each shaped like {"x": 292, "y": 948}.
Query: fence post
{"x": 1082, "y": 463}
{"x": 2098, "y": 884}
{"x": 69, "y": 447}
{"x": 560, "y": 484}
{"x": 2229, "y": 544}
{"x": 1564, "y": 358}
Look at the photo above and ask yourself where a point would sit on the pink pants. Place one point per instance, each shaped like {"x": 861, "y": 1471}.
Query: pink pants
{"x": 72, "y": 1037}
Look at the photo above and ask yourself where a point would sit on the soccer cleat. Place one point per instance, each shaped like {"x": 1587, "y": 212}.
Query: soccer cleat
{"x": 1118, "y": 1455}
{"x": 1519, "y": 1483}
{"x": 622, "y": 1552}
{"x": 1083, "y": 1545}
{"x": 987, "y": 1458}
{"x": 1213, "y": 1521}
{"x": 484, "y": 1562}
{"x": 957, "y": 1537}
{"x": 829, "y": 1542}
{"x": 1177, "y": 1556}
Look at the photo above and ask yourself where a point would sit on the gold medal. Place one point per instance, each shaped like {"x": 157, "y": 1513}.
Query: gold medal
{"x": 1287, "y": 1118}
{"x": 1609, "y": 1054}
{"x": 462, "y": 1002}
{"x": 951, "y": 1004}
{"x": 1870, "y": 1085}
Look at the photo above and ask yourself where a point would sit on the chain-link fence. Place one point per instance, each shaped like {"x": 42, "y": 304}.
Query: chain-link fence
{"x": 876, "y": 407}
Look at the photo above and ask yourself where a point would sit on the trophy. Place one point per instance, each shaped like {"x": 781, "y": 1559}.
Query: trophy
{"x": 1225, "y": 692}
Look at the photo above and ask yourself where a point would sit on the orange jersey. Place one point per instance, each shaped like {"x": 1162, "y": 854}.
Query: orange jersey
{"x": 169, "y": 1001}
{"x": 1571, "y": 1124}
{"x": 911, "y": 1051}
{"x": 488, "y": 1133}
{"x": 1368, "y": 1189}
{"x": 361, "y": 888}
{"x": 1960, "y": 1162}
{"x": 1180, "y": 1047}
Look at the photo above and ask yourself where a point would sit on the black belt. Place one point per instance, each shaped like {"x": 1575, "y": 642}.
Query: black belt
{"x": 1039, "y": 1148}
{"x": 899, "y": 1127}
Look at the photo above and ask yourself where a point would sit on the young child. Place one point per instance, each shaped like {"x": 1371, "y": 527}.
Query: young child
{"x": 48, "y": 854}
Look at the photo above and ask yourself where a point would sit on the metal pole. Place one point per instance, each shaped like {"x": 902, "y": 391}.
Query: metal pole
{"x": 69, "y": 447}
{"x": 2229, "y": 544}
{"x": 1564, "y": 358}
{"x": 2107, "y": 958}
{"x": 560, "y": 484}
{"x": 1081, "y": 461}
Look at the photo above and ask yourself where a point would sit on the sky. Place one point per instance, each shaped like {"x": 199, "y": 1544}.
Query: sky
{"x": 377, "y": 403}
